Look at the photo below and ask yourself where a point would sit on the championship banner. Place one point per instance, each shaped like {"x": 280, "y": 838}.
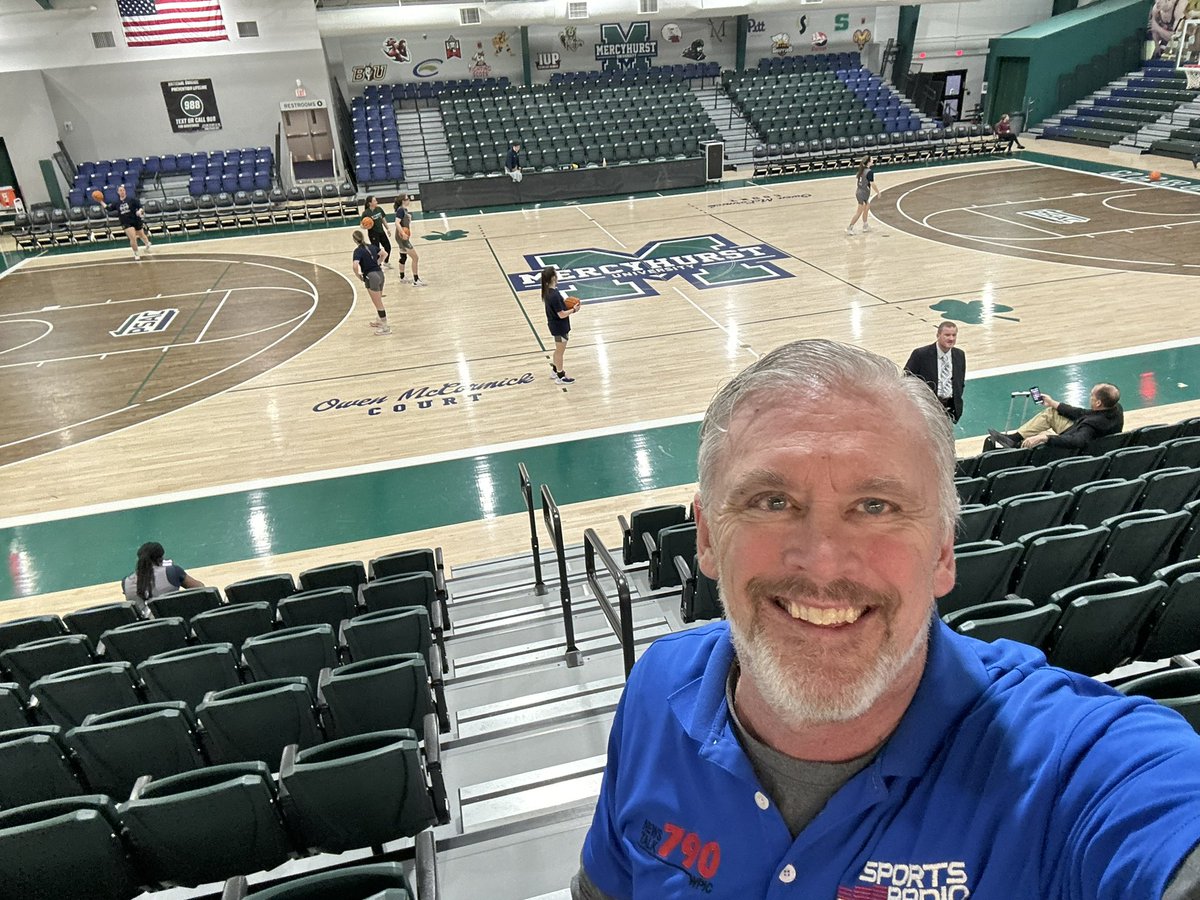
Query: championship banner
{"x": 191, "y": 105}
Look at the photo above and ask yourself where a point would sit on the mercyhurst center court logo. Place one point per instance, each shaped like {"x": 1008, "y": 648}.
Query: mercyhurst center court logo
{"x": 705, "y": 261}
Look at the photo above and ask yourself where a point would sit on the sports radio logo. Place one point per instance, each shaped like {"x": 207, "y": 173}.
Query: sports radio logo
{"x": 909, "y": 881}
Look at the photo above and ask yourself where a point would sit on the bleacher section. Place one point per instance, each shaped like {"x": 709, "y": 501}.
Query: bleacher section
{"x": 1136, "y": 110}
{"x": 636, "y": 116}
{"x": 377, "y": 153}
{"x": 207, "y": 173}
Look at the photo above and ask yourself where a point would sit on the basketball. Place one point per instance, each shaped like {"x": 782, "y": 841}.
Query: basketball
{"x": 98, "y": 196}
{"x": 367, "y": 223}
{"x": 405, "y": 233}
{"x": 1156, "y": 176}
{"x": 572, "y": 302}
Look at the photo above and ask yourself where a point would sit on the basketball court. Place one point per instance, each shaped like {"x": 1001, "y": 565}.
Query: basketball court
{"x": 247, "y": 364}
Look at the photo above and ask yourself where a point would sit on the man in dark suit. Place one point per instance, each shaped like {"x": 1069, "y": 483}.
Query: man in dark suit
{"x": 943, "y": 367}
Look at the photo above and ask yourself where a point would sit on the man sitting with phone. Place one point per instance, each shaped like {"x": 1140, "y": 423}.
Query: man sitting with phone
{"x": 1062, "y": 425}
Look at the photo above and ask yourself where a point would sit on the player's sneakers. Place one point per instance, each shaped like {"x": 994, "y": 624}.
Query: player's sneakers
{"x": 563, "y": 378}
{"x": 136, "y": 258}
{"x": 387, "y": 265}
{"x": 146, "y": 250}
{"x": 417, "y": 282}
{"x": 383, "y": 329}
{"x": 866, "y": 227}
{"x": 849, "y": 229}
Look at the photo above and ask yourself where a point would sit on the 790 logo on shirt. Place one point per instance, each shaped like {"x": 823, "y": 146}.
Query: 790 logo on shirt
{"x": 685, "y": 850}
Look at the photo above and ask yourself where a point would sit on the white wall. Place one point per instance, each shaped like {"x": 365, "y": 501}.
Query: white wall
{"x": 27, "y": 126}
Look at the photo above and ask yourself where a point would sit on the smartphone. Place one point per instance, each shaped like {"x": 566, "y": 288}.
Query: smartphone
{"x": 1035, "y": 394}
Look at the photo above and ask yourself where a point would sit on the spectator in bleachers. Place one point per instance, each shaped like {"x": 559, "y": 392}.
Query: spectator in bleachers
{"x": 1005, "y": 133}
{"x": 512, "y": 163}
{"x": 834, "y": 737}
{"x": 1062, "y": 425}
{"x": 129, "y": 212}
{"x": 404, "y": 240}
{"x": 366, "y": 266}
{"x": 378, "y": 231}
{"x": 155, "y": 576}
{"x": 864, "y": 184}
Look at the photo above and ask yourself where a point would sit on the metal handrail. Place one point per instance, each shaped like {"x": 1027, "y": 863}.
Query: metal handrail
{"x": 539, "y": 586}
{"x": 621, "y": 618}
{"x": 554, "y": 523}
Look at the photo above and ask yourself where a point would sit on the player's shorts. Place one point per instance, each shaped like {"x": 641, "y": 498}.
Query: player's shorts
{"x": 375, "y": 280}
{"x": 136, "y": 225}
{"x": 863, "y": 196}
{"x": 404, "y": 245}
{"x": 561, "y": 338}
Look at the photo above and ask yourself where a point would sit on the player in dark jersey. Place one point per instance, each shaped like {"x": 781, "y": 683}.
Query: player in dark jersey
{"x": 129, "y": 211}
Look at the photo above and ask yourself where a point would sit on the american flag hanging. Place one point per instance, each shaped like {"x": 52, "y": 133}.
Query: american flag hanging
{"x": 152, "y": 23}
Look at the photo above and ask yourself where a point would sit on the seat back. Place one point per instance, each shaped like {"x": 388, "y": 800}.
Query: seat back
{"x": 30, "y": 628}
{"x": 674, "y": 540}
{"x": 13, "y": 711}
{"x": 233, "y": 623}
{"x": 30, "y": 661}
{"x": 334, "y": 790}
{"x": 256, "y": 721}
{"x": 400, "y": 591}
{"x": 330, "y": 606}
{"x": 66, "y": 848}
{"x": 386, "y": 633}
{"x": 352, "y": 575}
{"x": 1175, "y": 624}
{"x": 977, "y": 522}
{"x": 301, "y": 650}
{"x": 650, "y": 520}
{"x": 1183, "y": 451}
{"x": 1170, "y": 489}
{"x": 379, "y": 694}
{"x": 1097, "y": 633}
{"x": 1070, "y": 473}
{"x": 1154, "y": 435}
{"x": 184, "y": 604}
{"x": 1137, "y": 547}
{"x": 995, "y": 460}
{"x": 269, "y": 588}
{"x": 1130, "y": 462}
{"x": 1005, "y": 607}
{"x": 35, "y": 766}
{"x": 405, "y": 562}
{"x": 1054, "y": 561}
{"x": 69, "y": 697}
{"x": 189, "y": 673}
{"x": 139, "y": 641}
{"x": 1030, "y": 512}
{"x": 1099, "y": 500}
{"x": 983, "y": 575}
{"x": 370, "y": 881}
{"x": 971, "y": 490}
{"x": 1014, "y": 481}
{"x": 115, "y": 749}
{"x": 206, "y": 825}
{"x": 1030, "y": 626}
{"x": 1177, "y": 689}
{"x": 95, "y": 620}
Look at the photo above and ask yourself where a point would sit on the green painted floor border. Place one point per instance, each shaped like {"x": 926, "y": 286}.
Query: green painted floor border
{"x": 68, "y": 553}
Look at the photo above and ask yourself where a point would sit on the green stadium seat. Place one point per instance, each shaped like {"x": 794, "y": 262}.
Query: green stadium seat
{"x": 30, "y": 628}
{"x": 30, "y": 661}
{"x": 69, "y": 697}
{"x": 185, "y": 604}
{"x": 344, "y": 574}
{"x": 35, "y": 766}
{"x": 379, "y": 694}
{"x": 256, "y": 721}
{"x": 369, "y": 881}
{"x": 189, "y": 673}
{"x": 233, "y": 623}
{"x": 137, "y": 642}
{"x": 95, "y": 620}
{"x": 329, "y": 606}
{"x": 300, "y": 650}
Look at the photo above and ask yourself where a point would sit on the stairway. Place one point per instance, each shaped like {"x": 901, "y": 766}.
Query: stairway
{"x": 735, "y": 131}
{"x": 423, "y": 141}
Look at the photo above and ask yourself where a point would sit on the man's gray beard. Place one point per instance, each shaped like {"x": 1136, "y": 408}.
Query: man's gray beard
{"x": 799, "y": 699}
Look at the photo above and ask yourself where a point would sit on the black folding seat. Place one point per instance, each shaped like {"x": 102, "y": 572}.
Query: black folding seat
{"x": 68, "y": 848}
{"x": 300, "y": 650}
{"x": 69, "y": 697}
{"x": 95, "y": 620}
{"x": 206, "y": 825}
{"x": 32, "y": 660}
{"x": 344, "y": 574}
{"x": 1174, "y": 627}
{"x": 1056, "y": 558}
{"x": 1099, "y": 500}
{"x": 1140, "y": 542}
{"x": 1028, "y": 626}
{"x": 971, "y": 490}
{"x": 185, "y": 604}
{"x": 976, "y": 522}
{"x": 1099, "y": 632}
{"x": 256, "y": 721}
{"x": 14, "y": 712}
{"x": 232, "y": 623}
{"x": 1130, "y": 462}
{"x": 1067, "y": 474}
{"x": 31, "y": 628}
{"x": 649, "y": 520}
{"x": 35, "y": 766}
{"x": 995, "y": 460}
{"x": 331, "y": 792}
{"x": 271, "y": 588}
{"x": 424, "y": 559}
{"x": 377, "y": 694}
{"x": 701, "y": 597}
{"x": 672, "y": 541}
{"x": 1030, "y": 512}
{"x": 1154, "y": 435}
{"x": 189, "y": 673}
{"x": 984, "y": 571}
{"x": 1182, "y": 451}
{"x": 139, "y": 641}
{"x": 1169, "y": 489}
{"x": 331, "y": 606}
{"x": 115, "y": 749}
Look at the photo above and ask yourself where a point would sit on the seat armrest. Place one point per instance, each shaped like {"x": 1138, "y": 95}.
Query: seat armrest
{"x": 235, "y": 888}
{"x": 425, "y": 875}
{"x": 287, "y": 763}
{"x": 684, "y": 569}
{"x": 322, "y": 680}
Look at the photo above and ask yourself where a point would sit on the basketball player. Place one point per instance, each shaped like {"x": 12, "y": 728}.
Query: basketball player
{"x": 378, "y": 232}
{"x": 366, "y": 267}
{"x": 404, "y": 240}
{"x": 558, "y": 320}
{"x": 129, "y": 211}
{"x": 864, "y": 185}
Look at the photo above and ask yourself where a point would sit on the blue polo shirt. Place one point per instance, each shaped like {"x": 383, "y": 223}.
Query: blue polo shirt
{"x": 1006, "y": 779}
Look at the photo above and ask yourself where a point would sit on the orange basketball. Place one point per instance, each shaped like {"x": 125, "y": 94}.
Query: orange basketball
{"x": 405, "y": 233}
{"x": 367, "y": 222}
{"x": 1156, "y": 176}
{"x": 98, "y": 196}
{"x": 572, "y": 302}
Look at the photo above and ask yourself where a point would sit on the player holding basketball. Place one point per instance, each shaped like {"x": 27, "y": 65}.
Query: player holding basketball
{"x": 864, "y": 185}
{"x": 366, "y": 267}
{"x": 129, "y": 211}
{"x": 558, "y": 314}
{"x": 404, "y": 240}
{"x": 378, "y": 231}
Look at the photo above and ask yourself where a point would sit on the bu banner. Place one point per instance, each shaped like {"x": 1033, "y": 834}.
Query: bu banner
{"x": 191, "y": 105}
